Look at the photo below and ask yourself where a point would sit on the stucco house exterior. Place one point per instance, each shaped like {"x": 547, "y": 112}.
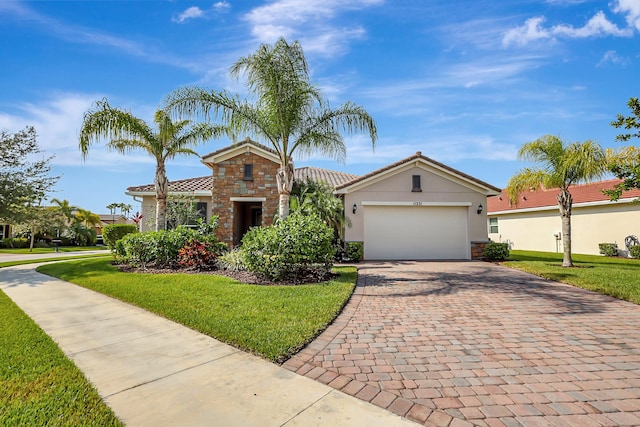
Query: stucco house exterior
{"x": 416, "y": 208}
{"x": 534, "y": 223}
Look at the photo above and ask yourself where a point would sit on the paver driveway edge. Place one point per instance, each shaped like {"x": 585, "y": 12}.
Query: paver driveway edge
{"x": 154, "y": 372}
{"x": 474, "y": 343}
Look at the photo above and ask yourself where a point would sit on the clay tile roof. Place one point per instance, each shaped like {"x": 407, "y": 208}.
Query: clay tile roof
{"x": 180, "y": 186}
{"x": 418, "y": 155}
{"x": 583, "y": 193}
{"x": 332, "y": 178}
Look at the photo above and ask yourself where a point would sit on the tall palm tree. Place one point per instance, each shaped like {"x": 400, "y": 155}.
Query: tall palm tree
{"x": 65, "y": 207}
{"x": 88, "y": 218}
{"x": 127, "y": 133}
{"x": 561, "y": 167}
{"x": 289, "y": 112}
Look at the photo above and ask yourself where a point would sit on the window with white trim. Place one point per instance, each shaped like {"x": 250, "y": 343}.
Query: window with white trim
{"x": 493, "y": 225}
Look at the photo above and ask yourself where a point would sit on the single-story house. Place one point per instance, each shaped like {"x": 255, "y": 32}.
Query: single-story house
{"x": 416, "y": 208}
{"x": 534, "y": 223}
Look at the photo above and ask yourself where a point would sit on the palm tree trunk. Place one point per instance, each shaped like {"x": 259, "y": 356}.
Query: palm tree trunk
{"x": 162, "y": 190}
{"x": 565, "y": 203}
{"x": 284, "y": 179}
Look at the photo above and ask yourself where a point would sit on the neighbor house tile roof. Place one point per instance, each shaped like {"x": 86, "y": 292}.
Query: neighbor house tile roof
{"x": 409, "y": 159}
{"x": 583, "y": 193}
{"x": 332, "y": 178}
{"x": 202, "y": 183}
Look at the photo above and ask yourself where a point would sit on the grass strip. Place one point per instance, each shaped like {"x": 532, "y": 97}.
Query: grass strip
{"x": 617, "y": 277}
{"x": 271, "y": 321}
{"x": 37, "y": 260}
{"x": 39, "y": 385}
{"x": 26, "y": 251}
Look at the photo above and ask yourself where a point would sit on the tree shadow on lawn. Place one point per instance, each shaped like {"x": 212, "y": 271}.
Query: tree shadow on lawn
{"x": 545, "y": 296}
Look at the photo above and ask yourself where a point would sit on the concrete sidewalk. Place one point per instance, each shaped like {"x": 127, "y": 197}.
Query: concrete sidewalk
{"x": 154, "y": 372}
{"x": 4, "y": 257}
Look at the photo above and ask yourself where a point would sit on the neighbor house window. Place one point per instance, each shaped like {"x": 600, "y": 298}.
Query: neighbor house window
{"x": 417, "y": 187}
{"x": 248, "y": 172}
{"x": 493, "y": 225}
{"x": 1, "y": 231}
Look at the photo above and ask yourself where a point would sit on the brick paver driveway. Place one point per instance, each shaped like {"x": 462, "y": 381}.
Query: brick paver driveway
{"x": 472, "y": 343}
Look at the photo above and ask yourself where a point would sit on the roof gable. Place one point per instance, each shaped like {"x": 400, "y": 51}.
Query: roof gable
{"x": 546, "y": 197}
{"x": 246, "y": 146}
{"x": 418, "y": 160}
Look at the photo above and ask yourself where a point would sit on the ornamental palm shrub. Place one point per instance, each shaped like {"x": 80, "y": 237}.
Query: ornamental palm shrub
{"x": 291, "y": 249}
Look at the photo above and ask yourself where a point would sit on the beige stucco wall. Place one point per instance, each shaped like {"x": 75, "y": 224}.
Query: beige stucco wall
{"x": 591, "y": 225}
{"x": 148, "y": 210}
{"x": 397, "y": 188}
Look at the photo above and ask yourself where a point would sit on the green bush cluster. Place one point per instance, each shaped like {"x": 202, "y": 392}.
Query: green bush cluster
{"x": 608, "y": 249}
{"x": 290, "y": 249}
{"x": 161, "y": 249}
{"x": 232, "y": 260}
{"x": 113, "y": 232}
{"x": 15, "y": 242}
{"x": 354, "y": 251}
{"x": 634, "y": 251}
{"x": 495, "y": 251}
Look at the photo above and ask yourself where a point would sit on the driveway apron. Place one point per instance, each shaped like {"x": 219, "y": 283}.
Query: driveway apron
{"x": 473, "y": 343}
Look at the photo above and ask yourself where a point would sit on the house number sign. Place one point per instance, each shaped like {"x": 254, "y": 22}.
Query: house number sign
{"x": 417, "y": 203}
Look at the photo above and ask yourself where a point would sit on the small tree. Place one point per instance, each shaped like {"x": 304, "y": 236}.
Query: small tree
{"x": 24, "y": 182}
{"x": 561, "y": 167}
{"x": 625, "y": 162}
{"x": 40, "y": 221}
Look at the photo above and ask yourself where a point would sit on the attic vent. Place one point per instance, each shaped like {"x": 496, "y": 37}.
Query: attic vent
{"x": 248, "y": 172}
{"x": 417, "y": 187}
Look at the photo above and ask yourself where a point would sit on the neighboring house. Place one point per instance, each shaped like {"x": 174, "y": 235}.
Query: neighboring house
{"x": 5, "y": 231}
{"x": 534, "y": 223}
{"x": 107, "y": 219}
{"x": 416, "y": 208}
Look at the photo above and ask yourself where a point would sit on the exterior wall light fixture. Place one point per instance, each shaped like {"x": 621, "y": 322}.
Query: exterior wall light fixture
{"x": 355, "y": 208}
{"x": 480, "y": 208}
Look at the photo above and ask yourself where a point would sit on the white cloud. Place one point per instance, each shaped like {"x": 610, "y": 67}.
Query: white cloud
{"x": 598, "y": 26}
{"x": 57, "y": 121}
{"x": 309, "y": 22}
{"x": 612, "y": 57}
{"x": 531, "y": 30}
{"x": 194, "y": 12}
{"x": 631, "y": 8}
{"x": 189, "y": 13}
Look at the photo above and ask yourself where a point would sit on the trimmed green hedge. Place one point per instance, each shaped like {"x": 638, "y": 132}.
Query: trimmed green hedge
{"x": 495, "y": 251}
{"x": 608, "y": 249}
{"x": 114, "y": 232}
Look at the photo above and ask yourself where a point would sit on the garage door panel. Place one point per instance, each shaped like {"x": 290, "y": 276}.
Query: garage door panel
{"x": 408, "y": 232}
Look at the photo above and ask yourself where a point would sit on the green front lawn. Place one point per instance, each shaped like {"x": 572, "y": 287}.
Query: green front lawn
{"x": 39, "y": 385}
{"x": 617, "y": 277}
{"x": 26, "y": 251}
{"x": 272, "y": 321}
{"x": 58, "y": 258}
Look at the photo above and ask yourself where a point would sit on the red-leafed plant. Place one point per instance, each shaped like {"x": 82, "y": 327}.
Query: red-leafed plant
{"x": 198, "y": 255}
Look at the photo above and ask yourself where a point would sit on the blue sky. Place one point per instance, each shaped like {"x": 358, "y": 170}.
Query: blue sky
{"x": 464, "y": 82}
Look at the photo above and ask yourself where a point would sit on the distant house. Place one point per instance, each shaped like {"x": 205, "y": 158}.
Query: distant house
{"x": 5, "y": 231}
{"x": 416, "y": 208}
{"x": 534, "y": 223}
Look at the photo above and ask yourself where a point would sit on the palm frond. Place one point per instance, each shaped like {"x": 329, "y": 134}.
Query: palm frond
{"x": 525, "y": 180}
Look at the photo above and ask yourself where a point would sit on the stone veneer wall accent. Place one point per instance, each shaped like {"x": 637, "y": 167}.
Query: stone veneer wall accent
{"x": 477, "y": 250}
{"x": 228, "y": 182}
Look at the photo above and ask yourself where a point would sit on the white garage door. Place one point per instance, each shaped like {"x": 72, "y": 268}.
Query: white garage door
{"x": 415, "y": 232}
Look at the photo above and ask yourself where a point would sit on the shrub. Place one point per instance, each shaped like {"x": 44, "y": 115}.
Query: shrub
{"x": 161, "y": 248}
{"x": 290, "y": 249}
{"x": 199, "y": 255}
{"x": 232, "y": 260}
{"x": 495, "y": 251}
{"x": 41, "y": 245}
{"x": 113, "y": 232}
{"x": 355, "y": 251}
{"x": 608, "y": 249}
{"x": 16, "y": 242}
{"x": 634, "y": 251}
